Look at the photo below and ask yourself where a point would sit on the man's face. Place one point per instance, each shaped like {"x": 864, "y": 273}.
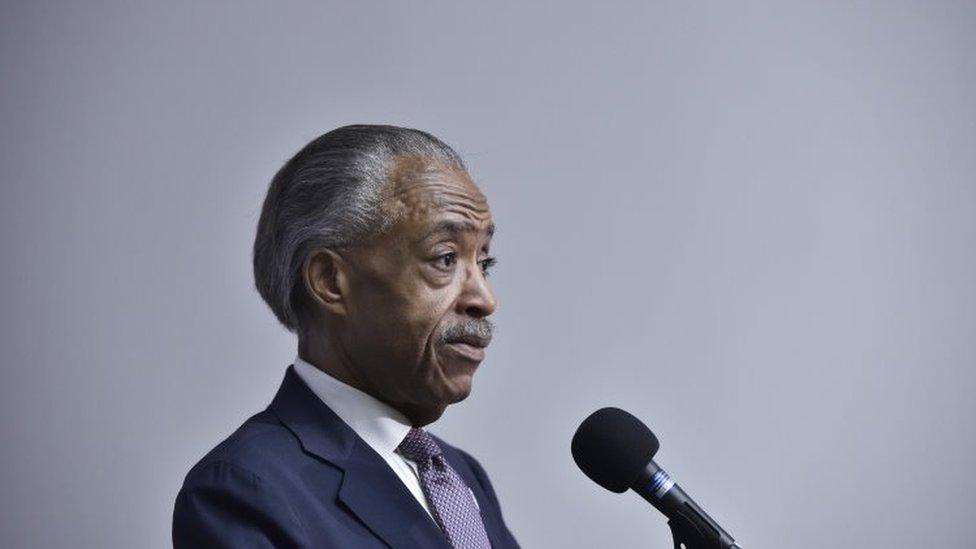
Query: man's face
{"x": 416, "y": 326}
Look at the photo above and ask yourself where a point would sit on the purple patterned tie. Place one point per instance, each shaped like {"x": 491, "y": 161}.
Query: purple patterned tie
{"x": 454, "y": 507}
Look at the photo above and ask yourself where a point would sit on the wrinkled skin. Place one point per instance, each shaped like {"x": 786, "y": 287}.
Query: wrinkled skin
{"x": 386, "y": 310}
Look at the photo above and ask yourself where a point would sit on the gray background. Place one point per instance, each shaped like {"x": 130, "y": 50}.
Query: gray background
{"x": 750, "y": 224}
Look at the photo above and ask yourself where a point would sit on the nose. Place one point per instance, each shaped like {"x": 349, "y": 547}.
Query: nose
{"x": 476, "y": 297}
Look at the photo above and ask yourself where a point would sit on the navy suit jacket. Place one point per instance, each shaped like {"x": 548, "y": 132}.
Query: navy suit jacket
{"x": 295, "y": 475}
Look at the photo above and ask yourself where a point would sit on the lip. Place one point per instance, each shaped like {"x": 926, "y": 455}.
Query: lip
{"x": 468, "y": 351}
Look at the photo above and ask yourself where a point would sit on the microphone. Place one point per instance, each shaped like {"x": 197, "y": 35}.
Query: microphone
{"x": 616, "y": 450}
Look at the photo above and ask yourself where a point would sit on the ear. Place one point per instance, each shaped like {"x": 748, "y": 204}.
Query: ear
{"x": 326, "y": 277}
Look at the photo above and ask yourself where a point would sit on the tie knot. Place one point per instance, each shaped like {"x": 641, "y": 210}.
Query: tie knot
{"x": 419, "y": 446}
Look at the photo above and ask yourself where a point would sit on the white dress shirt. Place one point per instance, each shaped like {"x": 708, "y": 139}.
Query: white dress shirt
{"x": 379, "y": 425}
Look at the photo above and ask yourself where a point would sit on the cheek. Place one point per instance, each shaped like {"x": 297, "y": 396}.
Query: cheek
{"x": 423, "y": 302}
{"x": 408, "y": 323}
{"x": 425, "y": 321}
{"x": 404, "y": 315}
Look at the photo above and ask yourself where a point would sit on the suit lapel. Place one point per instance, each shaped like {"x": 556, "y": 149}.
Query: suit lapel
{"x": 374, "y": 493}
{"x": 370, "y": 489}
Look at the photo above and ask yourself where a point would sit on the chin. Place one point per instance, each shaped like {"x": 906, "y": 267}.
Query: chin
{"x": 459, "y": 389}
{"x": 453, "y": 384}
{"x": 461, "y": 395}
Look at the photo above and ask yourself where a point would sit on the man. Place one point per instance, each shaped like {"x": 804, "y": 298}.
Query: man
{"x": 372, "y": 246}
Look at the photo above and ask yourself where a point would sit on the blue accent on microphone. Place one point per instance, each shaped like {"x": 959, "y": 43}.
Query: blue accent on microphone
{"x": 658, "y": 481}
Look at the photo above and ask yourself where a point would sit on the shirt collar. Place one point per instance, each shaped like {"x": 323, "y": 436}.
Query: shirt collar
{"x": 381, "y": 426}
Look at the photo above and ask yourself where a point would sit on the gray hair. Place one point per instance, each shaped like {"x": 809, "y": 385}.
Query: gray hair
{"x": 329, "y": 195}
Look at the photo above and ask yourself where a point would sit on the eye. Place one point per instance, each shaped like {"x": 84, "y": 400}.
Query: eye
{"x": 486, "y": 264}
{"x": 446, "y": 260}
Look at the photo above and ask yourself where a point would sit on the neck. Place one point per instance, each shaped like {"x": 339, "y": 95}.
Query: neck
{"x": 331, "y": 358}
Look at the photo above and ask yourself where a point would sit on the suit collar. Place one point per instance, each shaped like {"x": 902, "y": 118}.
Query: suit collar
{"x": 370, "y": 489}
{"x": 376, "y": 422}
{"x": 318, "y": 428}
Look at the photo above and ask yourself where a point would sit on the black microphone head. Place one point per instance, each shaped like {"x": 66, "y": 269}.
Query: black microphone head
{"x": 612, "y": 447}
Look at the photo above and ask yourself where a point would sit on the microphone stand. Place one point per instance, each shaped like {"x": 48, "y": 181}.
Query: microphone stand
{"x": 686, "y": 536}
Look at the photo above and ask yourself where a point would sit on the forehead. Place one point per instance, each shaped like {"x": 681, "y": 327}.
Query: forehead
{"x": 426, "y": 195}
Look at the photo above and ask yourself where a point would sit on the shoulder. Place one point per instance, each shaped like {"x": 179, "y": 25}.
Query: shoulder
{"x": 238, "y": 493}
{"x": 253, "y": 490}
{"x": 260, "y": 447}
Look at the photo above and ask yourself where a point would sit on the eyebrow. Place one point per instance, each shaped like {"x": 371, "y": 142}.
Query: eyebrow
{"x": 454, "y": 227}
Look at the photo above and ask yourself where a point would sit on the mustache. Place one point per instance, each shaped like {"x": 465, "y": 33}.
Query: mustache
{"x": 480, "y": 329}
